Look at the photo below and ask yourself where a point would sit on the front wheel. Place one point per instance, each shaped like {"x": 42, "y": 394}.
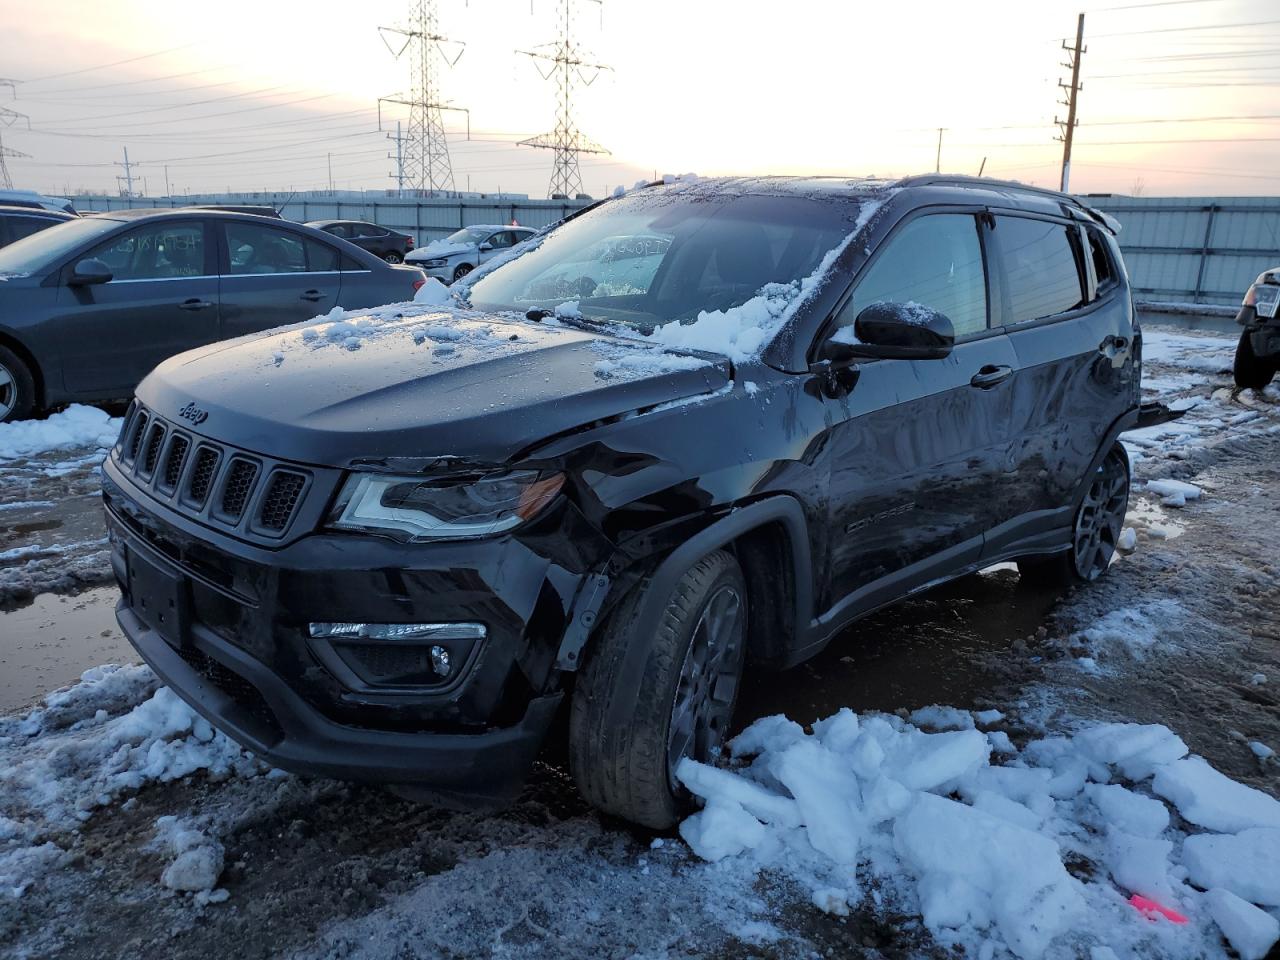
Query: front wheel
{"x": 17, "y": 387}
{"x": 1249, "y": 369}
{"x": 393, "y": 256}
{"x": 679, "y": 698}
{"x": 1094, "y": 533}
{"x": 462, "y": 270}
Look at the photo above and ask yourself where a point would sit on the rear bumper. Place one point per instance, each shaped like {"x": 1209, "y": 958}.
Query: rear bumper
{"x": 1263, "y": 332}
{"x": 301, "y": 740}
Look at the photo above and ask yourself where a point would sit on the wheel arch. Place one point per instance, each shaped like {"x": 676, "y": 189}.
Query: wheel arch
{"x": 1126, "y": 421}
{"x": 23, "y": 352}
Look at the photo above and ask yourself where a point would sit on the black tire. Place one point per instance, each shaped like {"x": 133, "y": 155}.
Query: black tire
{"x": 1249, "y": 369}
{"x": 1095, "y": 529}
{"x": 393, "y": 256}
{"x": 461, "y": 271}
{"x": 17, "y": 387}
{"x": 625, "y": 769}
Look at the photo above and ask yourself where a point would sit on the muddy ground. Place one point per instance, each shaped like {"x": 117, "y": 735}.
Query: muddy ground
{"x": 1177, "y": 633}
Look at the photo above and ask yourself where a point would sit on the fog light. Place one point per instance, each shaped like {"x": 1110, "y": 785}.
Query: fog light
{"x": 398, "y": 631}
{"x": 440, "y": 662}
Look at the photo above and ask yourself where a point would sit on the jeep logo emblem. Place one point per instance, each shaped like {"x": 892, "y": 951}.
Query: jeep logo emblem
{"x": 194, "y": 414}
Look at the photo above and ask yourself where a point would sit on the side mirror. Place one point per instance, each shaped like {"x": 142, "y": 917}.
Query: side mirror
{"x": 486, "y": 247}
{"x": 89, "y": 272}
{"x": 896, "y": 331}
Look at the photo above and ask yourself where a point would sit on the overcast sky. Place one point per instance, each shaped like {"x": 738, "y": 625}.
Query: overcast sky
{"x": 257, "y": 95}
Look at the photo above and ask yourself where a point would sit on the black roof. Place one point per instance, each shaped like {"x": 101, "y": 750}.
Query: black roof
{"x": 139, "y": 213}
{"x": 19, "y": 208}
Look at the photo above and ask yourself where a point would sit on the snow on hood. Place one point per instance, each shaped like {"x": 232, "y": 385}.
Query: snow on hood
{"x": 439, "y": 248}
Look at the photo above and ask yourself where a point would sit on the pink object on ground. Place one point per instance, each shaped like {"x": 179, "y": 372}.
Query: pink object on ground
{"x": 1149, "y": 907}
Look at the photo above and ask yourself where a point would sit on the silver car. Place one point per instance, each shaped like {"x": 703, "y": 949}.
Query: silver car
{"x": 459, "y": 253}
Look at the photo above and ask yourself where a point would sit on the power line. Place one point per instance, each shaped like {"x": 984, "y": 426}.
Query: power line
{"x": 1209, "y": 26}
{"x": 104, "y": 66}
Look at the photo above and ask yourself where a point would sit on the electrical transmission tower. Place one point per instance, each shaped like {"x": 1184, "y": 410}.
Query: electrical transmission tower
{"x": 423, "y": 152}
{"x": 566, "y": 61}
{"x": 7, "y": 119}
{"x": 1073, "y": 89}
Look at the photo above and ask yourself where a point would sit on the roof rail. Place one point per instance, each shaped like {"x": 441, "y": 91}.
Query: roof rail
{"x": 928, "y": 179}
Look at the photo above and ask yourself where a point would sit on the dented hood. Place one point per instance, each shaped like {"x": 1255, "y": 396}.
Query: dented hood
{"x": 483, "y": 389}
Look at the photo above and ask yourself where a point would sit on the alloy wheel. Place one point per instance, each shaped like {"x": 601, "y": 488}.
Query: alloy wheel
{"x": 1101, "y": 517}
{"x": 709, "y": 679}
{"x": 8, "y": 392}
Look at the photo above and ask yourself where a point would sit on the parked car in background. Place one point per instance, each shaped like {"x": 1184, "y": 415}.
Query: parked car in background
{"x": 1258, "y": 353}
{"x": 459, "y": 253}
{"x": 257, "y": 210}
{"x": 381, "y": 242}
{"x": 89, "y": 306}
{"x": 377, "y": 567}
{"x": 17, "y": 222}
{"x": 29, "y": 198}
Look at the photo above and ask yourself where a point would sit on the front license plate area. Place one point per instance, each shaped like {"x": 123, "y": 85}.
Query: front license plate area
{"x": 1268, "y": 299}
{"x": 159, "y": 599}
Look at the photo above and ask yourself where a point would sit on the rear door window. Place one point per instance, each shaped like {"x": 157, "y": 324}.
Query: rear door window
{"x": 255, "y": 249}
{"x": 935, "y": 261}
{"x": 20, "y": 227}
{"x": 1041, "y": 270}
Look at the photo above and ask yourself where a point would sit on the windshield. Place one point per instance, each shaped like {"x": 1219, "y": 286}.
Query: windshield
{"x": 42, "y": 250}
{"x": 656, "y": 257}
{"x": 471, "y": 235}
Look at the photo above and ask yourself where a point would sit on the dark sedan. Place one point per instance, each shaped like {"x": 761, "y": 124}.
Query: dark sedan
{"x": 379, "y": 241}
{"x": 88, "y": 307}
{"x": 18, "y": 221}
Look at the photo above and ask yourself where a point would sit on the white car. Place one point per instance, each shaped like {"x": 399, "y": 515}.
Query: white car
{"x": 459, "y": 253}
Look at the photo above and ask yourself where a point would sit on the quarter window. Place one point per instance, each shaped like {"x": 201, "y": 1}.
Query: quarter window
{"x": 1040, "y": 267}
{"x": 20, "y": 227}
{"x": 935, "y": 261}
{"x": 158, "y": 251}
{"x": 1103, "y": 269}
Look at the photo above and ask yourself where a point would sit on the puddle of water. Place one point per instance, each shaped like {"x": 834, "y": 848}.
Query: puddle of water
{"x": 49, "y": 643}
{"x": 923, "y": 651}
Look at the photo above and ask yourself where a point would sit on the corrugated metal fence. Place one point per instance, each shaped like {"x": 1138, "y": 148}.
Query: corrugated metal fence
{"x": 1198, "y": 249}
{"x": 1195, "y": 249}
{"x": 423, "y": 219}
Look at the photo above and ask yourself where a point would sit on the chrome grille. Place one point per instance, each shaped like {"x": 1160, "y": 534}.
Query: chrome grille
{"x": 220, "y": 486}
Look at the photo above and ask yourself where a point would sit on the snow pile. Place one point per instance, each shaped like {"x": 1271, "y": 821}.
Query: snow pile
{"x": 740, "y": 332}
{"x": 877, "y": 809}
{"x": 110, "y": 734}
{"x": 433, "y": 292}
{"x": 1174, "y": 493}
{"x": 76, "y": 426}
{"x": 629, "y": 362}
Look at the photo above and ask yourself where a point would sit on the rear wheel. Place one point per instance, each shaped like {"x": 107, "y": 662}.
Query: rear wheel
{"x": 462, "y": 270}
{"x": 1249, "y": 369}
{"x": 1095, "y": 532}
{"x": 17, "y": 387}
{"x": 681, "y": 697}
{"x": 393, "y": 256}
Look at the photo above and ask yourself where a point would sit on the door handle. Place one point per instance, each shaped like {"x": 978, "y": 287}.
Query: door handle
{"x": 312, "y": 295}
{"x": 195, "y": 303}
{"x": 991, "y": 375}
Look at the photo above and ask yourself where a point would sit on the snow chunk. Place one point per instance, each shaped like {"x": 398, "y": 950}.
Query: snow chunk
{"x": 1174, "y": 489}
{"x": 978, "y": 870}
{"x": 1135, "y": 748}
{"x": 1127, "y": 811}
{"x": 1250, "y": 931}
{"x": 933, "y": 760}
{"x": 1246, "y": 863}
{"x": 711, "y": 783}
{"x": 1209, "y": 799}
{"x": 198, "y": 859}
{"x": 1140, "y": 864}
{"x": 1261, "y": 750}
{"x": 433, "y": 292}
{"x": 1127, "y": 542}
{"x": 76, "y": 426}
{"x": 722, "y": 829}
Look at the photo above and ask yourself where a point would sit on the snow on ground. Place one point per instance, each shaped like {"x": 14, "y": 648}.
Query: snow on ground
{"x": 980, "y": 848}
{"x": 75, "y": 427}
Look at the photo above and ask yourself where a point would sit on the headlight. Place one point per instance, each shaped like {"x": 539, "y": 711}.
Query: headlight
{"x": 437, "y": 262}
{"x": 428, "y": 507}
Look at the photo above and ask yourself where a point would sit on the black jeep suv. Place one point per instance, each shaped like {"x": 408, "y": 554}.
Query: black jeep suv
{"x": 601, "y": 482}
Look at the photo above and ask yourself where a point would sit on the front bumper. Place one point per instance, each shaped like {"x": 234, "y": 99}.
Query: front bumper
{"x": 242, "y": 657}
{"x": 444, "y": 274}
{"x": 1263, "y": 332}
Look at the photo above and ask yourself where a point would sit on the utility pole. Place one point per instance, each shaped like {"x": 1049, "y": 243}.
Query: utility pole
{"x": 398, "y": 158}
{"x": 566, "y": 61}
{"x": 937, "y": 163}
{"x": 128, "y": 173}
{"x": 1068, "y": 128}
{"x": 330, "y": 156}
{"x": 167, "y": 191}
{"x": 425, "y": 160}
